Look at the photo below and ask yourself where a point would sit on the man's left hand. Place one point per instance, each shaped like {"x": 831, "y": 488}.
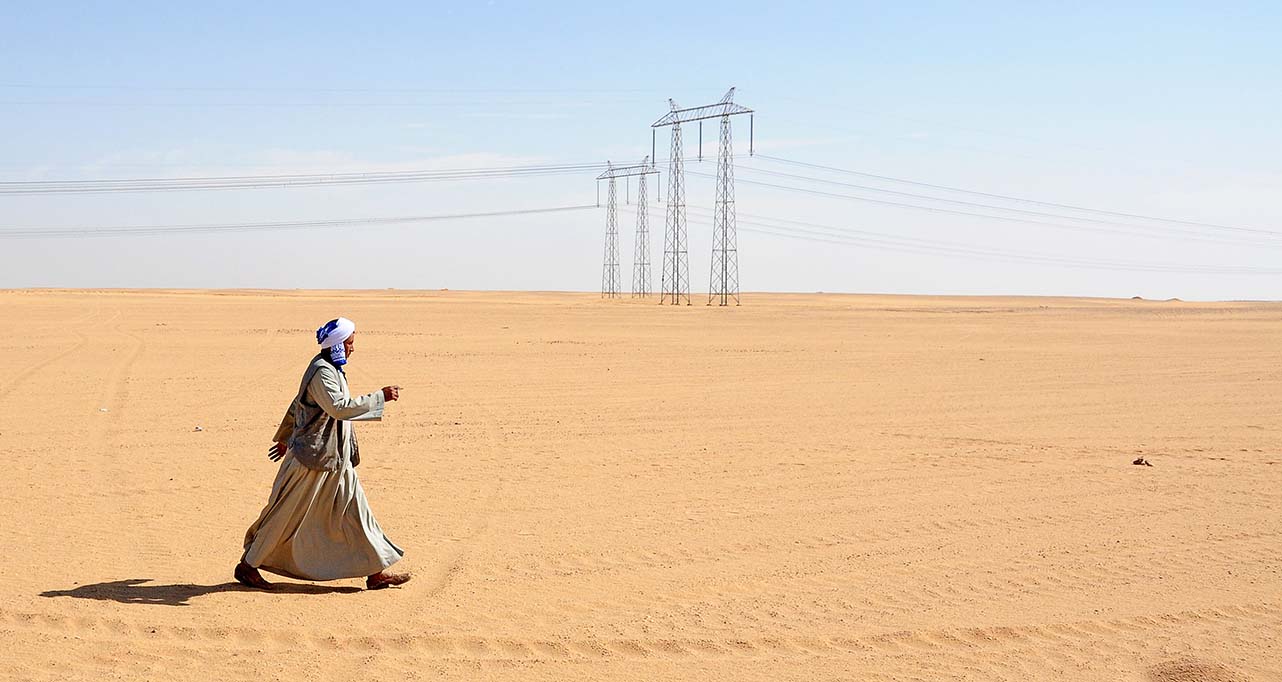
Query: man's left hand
{"x": 277, "y": 451}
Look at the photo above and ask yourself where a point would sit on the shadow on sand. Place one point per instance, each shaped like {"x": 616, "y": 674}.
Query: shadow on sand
{"x": 133, "y": 591}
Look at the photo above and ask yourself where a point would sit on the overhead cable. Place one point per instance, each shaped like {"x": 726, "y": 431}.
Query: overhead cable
{"x": 816, "y": 232}
{"x": 164, "y": 230}
{"x": 1006, "y": 197}
{"x": 288, "y": 180}
{"x": 988, "y": 216}
{"x": 1162, "y": 231}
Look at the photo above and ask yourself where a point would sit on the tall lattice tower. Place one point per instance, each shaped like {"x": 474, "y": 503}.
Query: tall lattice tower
{"x": 610, "y": 271}
{"x": 724, "y": 284}
{"x": 641, "y": 263}
{"x": 641, "y": 250}
{"x": 723, "y": 280}
{"x": 675, "y": 280}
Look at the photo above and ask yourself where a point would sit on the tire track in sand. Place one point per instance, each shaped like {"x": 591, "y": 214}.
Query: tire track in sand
{"x": 108, "y": 450}
{"x": 27, "y": 372}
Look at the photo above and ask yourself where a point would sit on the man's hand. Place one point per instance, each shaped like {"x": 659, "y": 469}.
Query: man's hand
{"x": 391, "y": 392}
{"x": 277, "y": 450}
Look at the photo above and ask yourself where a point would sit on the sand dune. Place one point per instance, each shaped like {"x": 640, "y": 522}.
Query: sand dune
{"x": 803, "y": 488}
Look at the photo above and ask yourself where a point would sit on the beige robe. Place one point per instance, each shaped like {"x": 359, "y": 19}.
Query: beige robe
{"x": 317, "y": 524}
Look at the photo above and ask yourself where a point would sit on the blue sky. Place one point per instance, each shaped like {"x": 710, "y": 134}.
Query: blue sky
{"x": 1156, "y": 109}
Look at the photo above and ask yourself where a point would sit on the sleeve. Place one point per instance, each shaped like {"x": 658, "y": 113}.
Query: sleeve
{"x": 286, "y": 424}
{"x": 326, "y": 390}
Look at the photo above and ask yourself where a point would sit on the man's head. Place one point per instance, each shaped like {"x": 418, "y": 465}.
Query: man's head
{"x": 336, "y": 336}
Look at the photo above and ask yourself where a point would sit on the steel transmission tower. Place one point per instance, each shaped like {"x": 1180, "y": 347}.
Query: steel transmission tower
{"x": 641, "y": 259}
{"x": 724, "y": 282}
{"x": 610, "y": 271}
{"x": 675, "y": 280}
{"x": 641, "y": 248}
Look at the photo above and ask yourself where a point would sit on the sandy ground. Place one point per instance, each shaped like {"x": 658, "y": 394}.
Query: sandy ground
{"x": 803, "y": 488}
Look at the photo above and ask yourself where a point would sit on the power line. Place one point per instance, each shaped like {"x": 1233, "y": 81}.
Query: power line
{"x": 224, "y": 182}
{"x": 960, "y": 202}
{"x": 917, "y": 246}
{"x": 161, "y": 230}
{"x": 1029, "y": 221}
{"x": 1005, "y": 197}
{"x": 287, "y": 180}
{"x": 433, "y": 91}
{"x": 816, "y": 232}
{"x": 257, "y": 181}
{"x": 1002, "y": 256}
{"x": 302, "y": 104}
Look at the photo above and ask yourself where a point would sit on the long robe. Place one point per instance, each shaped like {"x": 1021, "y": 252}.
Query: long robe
{"x": 317, "y": 524}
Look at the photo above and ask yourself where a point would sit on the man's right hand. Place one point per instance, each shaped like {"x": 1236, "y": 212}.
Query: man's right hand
{"x": 391, "y": 393}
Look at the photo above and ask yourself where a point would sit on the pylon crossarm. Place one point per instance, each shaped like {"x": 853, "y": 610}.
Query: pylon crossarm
{"x": 700, "y": 113}
{"x": 627, "y": 171}
{"x": 646, "y": 167}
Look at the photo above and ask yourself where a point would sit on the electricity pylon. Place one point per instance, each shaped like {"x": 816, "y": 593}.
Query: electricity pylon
{"x": 675, "y": 280}
{"x": 641, "y": 255}
{"x": 641, "y": 245}
{"x": 724, "y": 281}
{"x": 610, "y": 271}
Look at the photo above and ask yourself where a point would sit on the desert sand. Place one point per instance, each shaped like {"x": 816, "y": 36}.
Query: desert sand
{"x": 807, "y": 487}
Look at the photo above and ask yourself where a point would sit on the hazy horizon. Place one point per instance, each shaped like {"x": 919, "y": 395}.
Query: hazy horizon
{"x": 696, "y": 299}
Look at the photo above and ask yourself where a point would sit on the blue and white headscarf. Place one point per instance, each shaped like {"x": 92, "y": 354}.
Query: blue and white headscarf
{"x": 331, "y": 337}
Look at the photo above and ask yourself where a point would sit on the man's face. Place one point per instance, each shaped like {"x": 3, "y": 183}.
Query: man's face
{"x": 349, "y": 345}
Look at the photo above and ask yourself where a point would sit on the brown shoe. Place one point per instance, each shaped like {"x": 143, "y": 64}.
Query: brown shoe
{"x": 250, "y": 577}
{"x": 381, "y": 580}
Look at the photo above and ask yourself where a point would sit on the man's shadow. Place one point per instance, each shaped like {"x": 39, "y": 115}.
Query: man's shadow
{"x": 133, "y": 591}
